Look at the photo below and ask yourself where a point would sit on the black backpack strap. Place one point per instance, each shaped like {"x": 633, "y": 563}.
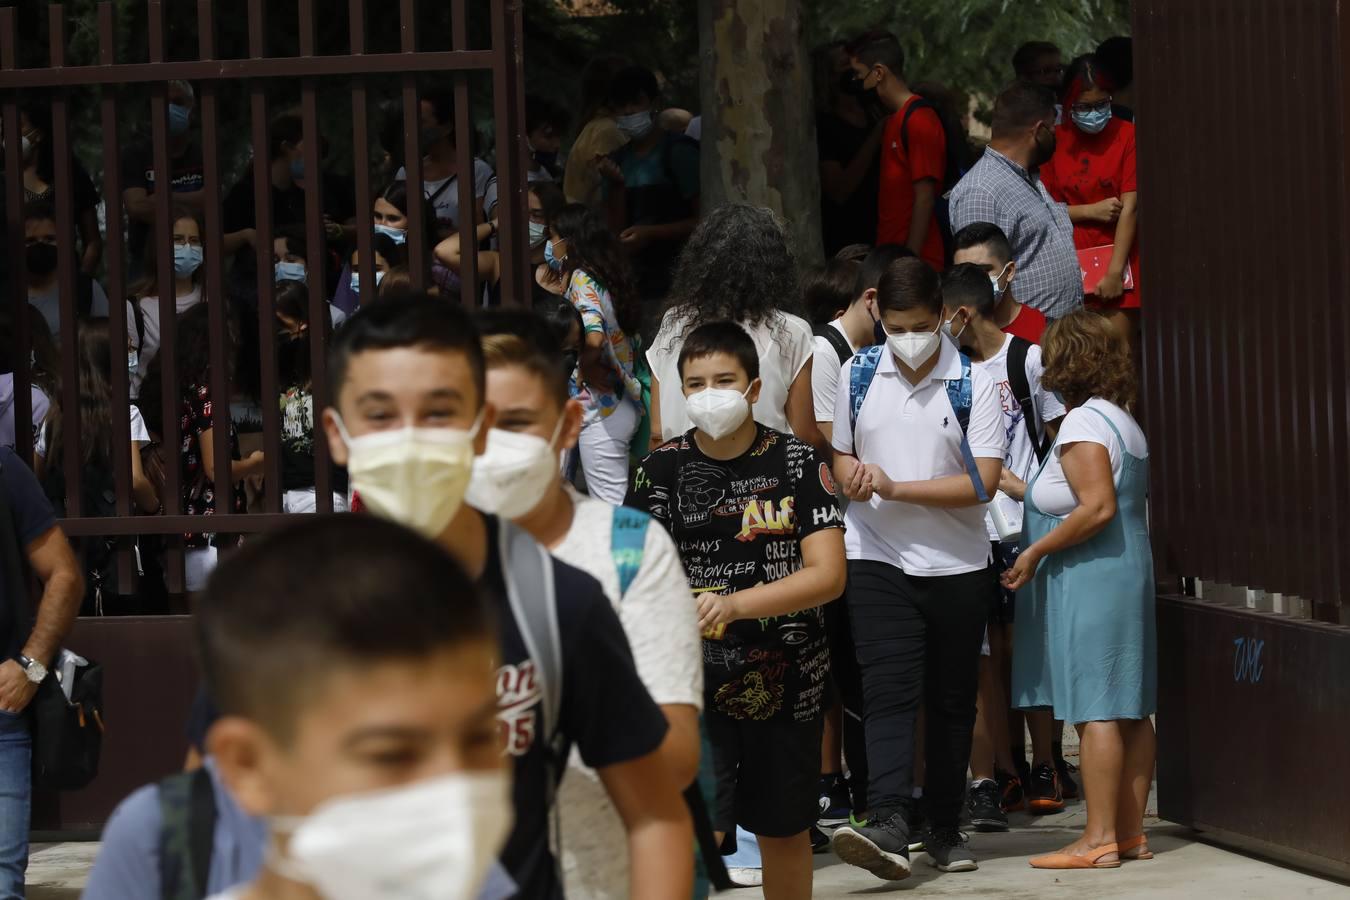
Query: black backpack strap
{"x": 910, "y": 110}
{"x": 837, "y": 341}
{"x": 706, "y": 839}
{"x": 1021, "y": 388}
{"x": 187, "y": 803}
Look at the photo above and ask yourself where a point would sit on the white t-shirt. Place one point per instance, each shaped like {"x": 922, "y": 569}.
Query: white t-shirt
{"x": 38, "y": 400}
{"x": 149, "y": 347}
{"x": 825, "y": 370}
{"x": 660, "y": 618}
{"x": 1021, "y": 458}
{"x": 912, "y": 433}
{"x": 139, "y": 433}
{"x": 1052, "y": 493}
{"x": 446, "y": 191}
{"x": 784, "y": 343}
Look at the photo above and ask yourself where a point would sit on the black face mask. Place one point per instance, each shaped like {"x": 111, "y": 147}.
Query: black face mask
{"x": 850, "y": 85}
{"x": 41, "y": 258}
{"x": 546, "y": 160}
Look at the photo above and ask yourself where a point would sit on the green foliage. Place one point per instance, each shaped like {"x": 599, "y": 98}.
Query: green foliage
{"x": 968, "y": 44}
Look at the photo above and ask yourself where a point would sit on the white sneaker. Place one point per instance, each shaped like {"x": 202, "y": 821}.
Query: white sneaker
{"x": 746, "y": 877}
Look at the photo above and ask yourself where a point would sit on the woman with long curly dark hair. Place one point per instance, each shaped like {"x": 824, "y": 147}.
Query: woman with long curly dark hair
{"x": 600, "y": 285}
{"x": 737, "y": 267}
{"x": 1085, "y": 642}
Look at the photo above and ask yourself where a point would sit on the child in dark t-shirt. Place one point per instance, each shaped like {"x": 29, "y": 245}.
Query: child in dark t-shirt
{"x": 753, "y": 512}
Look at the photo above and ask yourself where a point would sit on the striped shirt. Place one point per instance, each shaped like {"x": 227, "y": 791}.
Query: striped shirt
{"x": 999, "y": 191}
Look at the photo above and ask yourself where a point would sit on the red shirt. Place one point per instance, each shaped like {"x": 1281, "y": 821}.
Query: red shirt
{"x": 1028, "y": 324}
{"x": 1088, "y": 168}
{"x": 927, "y": 158}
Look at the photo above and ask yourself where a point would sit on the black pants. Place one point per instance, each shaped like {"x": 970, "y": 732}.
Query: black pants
{"x": 918, "y": 639}
{"x": 847, "y": 679}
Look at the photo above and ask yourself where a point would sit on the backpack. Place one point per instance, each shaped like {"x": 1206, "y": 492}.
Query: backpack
{"x": 836, "y": 339}
{"x": 1021, "y": 388}
{"x": 959, "y": 392}
{"x": 958, "y": 164}
{"x": 187, "y": 808}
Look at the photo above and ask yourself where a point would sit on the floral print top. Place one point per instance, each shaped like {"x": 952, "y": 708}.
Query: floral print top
{"x": 596, "y": 306}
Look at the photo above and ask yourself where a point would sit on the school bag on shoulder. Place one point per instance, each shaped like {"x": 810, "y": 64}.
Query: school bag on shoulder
{"x": 187, "y": 808}
{"x": 1021, "y": 388}
{"x": 959, "y": 393}
{"x": 837, "y": 341}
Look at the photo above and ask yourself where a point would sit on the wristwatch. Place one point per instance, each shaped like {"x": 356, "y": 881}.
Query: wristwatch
{"x": 35, "y": 670}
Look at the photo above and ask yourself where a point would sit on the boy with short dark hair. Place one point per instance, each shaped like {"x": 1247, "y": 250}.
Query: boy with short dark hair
{"x": 408, "y": 419}
{"x": 919, "y": 446}
{"x": 754, "y": 514}
{"x": 358, "y": 716}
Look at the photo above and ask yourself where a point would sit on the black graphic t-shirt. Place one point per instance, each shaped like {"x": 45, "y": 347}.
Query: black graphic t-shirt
{"x": 740, "y": 523}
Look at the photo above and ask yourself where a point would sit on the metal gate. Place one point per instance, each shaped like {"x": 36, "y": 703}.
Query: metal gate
{"x": 250, "y": 75}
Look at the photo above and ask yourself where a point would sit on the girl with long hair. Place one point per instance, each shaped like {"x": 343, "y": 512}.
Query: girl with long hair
{"x": 600, "y": 285}
{"x": 737, "y": 267}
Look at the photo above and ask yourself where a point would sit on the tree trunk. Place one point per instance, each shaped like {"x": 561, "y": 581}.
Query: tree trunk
{"x": 759, "y": 131}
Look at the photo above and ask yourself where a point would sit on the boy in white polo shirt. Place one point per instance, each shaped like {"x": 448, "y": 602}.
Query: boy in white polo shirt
{"x": 919, "y": 442}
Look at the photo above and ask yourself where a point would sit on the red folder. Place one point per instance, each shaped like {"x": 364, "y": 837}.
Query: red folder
{"x": 1094, "y": 262}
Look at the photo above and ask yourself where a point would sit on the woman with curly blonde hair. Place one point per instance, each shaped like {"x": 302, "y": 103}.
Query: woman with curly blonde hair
{"x": 1085, "y": 643}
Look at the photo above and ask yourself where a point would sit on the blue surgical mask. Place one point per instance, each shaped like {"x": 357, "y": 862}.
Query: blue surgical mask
{"x": 397, "y": 235}
{"x": 995, "y": 280}
{"x": 1091, "y": 121}
{"x": 356, "y": 281}
{"x": 554, "y": 262}
{"x": 291, "y": 271}
{"x": 298, "y": 169}
{"x": 180, "y": 118}
{"x": 133, "y": 361}
{"x": 636, "y": 126}
{"x": 538, "y": 232}
{"x": 187, "y": 259}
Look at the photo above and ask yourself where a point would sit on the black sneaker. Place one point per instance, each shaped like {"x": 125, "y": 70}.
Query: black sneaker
{"x": 835, "y": 804}
{"x": 986, "y": 807}
{"x": 881, "y": 848}
{"x": 1012, "y": 797}
{"x": 820, "y": 841}
{"x": 1043, "y": 794}
{"x": 948, "y": 852}
{"x": 1067, "y": 785}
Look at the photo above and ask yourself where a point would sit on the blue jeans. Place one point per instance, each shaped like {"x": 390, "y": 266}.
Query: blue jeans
{"x": 15, "y": 803}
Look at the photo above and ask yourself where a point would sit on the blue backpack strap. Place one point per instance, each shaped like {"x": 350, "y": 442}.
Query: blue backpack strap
{"x": 860, "y": 375}
{"x": 628, "y": 538}
{"x": 961, "y": 394}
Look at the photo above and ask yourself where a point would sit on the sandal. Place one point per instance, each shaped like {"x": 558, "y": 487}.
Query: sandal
{"x": 1070, "y": 861}
{"x": 1138, "y": 843}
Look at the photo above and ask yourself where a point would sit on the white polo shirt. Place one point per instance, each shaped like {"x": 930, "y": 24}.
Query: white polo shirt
{"x": 911, "y": 431}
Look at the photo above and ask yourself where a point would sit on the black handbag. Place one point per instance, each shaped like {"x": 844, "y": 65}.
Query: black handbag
{"x": 67, "y": 735}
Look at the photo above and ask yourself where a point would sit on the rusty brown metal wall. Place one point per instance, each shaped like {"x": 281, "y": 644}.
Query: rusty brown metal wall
{"x": 1242, "y": 156}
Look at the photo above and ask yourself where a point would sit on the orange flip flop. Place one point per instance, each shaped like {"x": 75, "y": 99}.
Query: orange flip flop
{"x": 1138, "y": 841}
{"x": 1069, "y": 861}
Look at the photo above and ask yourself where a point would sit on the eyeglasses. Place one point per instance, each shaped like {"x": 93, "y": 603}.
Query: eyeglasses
{"x": 1103, "y": 106}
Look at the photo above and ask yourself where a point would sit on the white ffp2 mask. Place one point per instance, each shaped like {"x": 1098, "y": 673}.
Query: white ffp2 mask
{"x": 914, "y": 348}
{"x": 431, "y": 840}
{"x": 515, "y": 472}
{"x": 718, "y": 412}
{"x": 414, "y": 476}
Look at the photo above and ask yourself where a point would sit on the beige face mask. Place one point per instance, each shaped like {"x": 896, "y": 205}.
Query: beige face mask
{"x": 414, "y": 476}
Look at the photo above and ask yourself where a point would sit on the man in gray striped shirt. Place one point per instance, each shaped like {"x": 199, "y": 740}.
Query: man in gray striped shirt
{"x": 1004, "y": 188}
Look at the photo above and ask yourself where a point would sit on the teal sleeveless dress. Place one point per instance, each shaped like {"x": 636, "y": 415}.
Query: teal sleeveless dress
{"x": 1085, "y": 638}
